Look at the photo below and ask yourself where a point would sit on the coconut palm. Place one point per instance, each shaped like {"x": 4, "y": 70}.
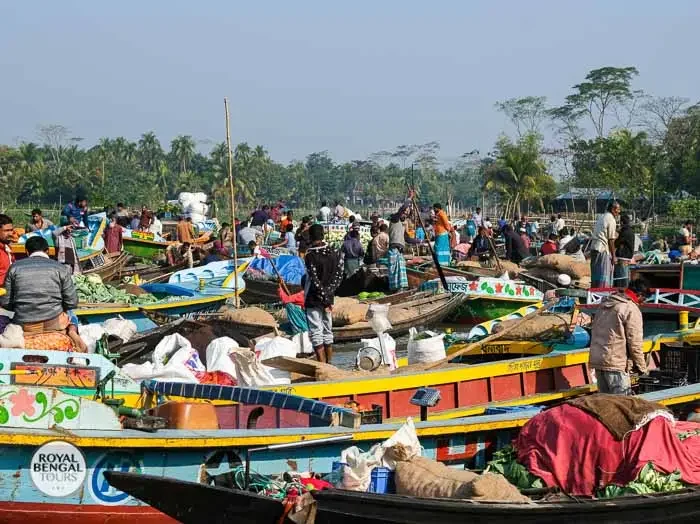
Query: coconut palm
{"x": 183, "y": 148}
{"x": 517, "y": 171}
{"x": 150, "y": 152}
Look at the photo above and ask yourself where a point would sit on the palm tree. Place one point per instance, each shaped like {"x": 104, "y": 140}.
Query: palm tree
{"x": 183, "y": 148}
{"x": 517, "y": 171}
{"x": 150, "y": 152}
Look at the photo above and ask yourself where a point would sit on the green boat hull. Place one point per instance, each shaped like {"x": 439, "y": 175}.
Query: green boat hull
{"x": 143, "y": 249}
{"x": 480, "y": 310}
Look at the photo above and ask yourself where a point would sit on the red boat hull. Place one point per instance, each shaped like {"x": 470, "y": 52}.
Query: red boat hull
{"x": 47, "y": 513}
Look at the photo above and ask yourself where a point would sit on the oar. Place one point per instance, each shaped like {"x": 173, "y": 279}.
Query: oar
{"x": 282, "y": 283}
{"x": 492, "y": 337}
{"x": 443, "y": 280}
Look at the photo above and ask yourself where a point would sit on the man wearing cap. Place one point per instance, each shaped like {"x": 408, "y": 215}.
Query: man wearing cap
{"x": 75, "y": 213}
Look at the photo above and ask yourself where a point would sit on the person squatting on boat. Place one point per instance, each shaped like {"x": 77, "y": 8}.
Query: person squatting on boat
{"x": 616, "y": 340}
{"x": 603, "y": 258}
{"x": 41, "y": 293}
{"x": 324, "y": 273}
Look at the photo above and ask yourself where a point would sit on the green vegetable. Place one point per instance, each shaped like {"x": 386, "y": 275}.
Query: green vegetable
{"x": 505, "y": 462}
{"x": 648, "y": 481}
{"x": 91, "y": 289}
{"x": 363, "y": 296}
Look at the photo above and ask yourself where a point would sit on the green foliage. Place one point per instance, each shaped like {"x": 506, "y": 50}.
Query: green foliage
{"x": 687, "y": 208}
{"x": 622, "y": 161}
{"x": 505, "y": 462}
{"x": 648, "y": 481}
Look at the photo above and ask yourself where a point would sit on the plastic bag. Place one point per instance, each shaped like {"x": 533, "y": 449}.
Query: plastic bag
{"x": 378, "y": 317}
{"x": 425, "y": 350}
{"x": 389, "y": 349}
{"x": 276, "y": 347}
{"x": 303, "y": 343}
{"x": 120, "y": 327}
{"x": 217, "y": 355}
{"x": 91, "y": 333}
{"x": 407, "y": 437}
{"x": 12, "y": 337}
{"x": 249, "y": 371}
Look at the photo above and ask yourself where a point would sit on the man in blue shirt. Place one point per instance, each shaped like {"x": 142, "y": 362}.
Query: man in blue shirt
{"x": 75, "y": 213}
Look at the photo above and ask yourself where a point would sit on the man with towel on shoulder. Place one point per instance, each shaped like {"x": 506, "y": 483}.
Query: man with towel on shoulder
{"x": 616, "y": 340}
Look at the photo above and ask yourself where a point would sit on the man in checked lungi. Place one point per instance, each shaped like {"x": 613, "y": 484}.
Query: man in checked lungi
{"x": 603, "y": 248}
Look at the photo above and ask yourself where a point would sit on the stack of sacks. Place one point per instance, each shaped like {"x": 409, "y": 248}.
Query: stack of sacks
{"x": 348, "y": 311}
{"x": 249, "y": 315}
{"x": 194, "y": 206}
{"x": 549, "y": 267}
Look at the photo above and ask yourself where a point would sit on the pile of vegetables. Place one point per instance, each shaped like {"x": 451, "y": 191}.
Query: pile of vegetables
{"x": 335, "y": 237}
{"x": 648, "y": 481}
{"x": 91, "y": 289}
{"x": 370, "y": 296}
{"x": 505, "y": 462}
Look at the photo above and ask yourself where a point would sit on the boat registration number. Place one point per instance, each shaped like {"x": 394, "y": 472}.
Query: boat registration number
{"x": 53, "y": 375}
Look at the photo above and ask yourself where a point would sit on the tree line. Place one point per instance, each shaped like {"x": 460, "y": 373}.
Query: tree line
{"x": 606, "y": 135}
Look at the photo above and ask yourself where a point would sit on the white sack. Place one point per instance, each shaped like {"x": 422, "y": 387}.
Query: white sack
{"x": 218, "y": 352}
{"x": 276, "y": 347}
{"x": 427, "y": 350}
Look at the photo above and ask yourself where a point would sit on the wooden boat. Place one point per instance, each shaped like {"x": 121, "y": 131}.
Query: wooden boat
{"x": 192, "y": 503}
{"x": 108, "y": 266}
{"x": 430, "y": 307}
{"x": 150, "y": 249}
{"x": 264, "y": 291}
{"x": 149, "y": 273}
{"x": 191, "y": 299}
{"x": 210, "y": 456}
{"x": 339, "y": 507}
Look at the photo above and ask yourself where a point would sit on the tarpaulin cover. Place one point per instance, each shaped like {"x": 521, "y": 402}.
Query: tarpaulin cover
{"x": 291, "y": 267}
{"x": 568, "y": 448}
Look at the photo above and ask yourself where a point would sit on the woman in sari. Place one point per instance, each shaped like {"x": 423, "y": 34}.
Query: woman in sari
{"x": 443, "y": 228}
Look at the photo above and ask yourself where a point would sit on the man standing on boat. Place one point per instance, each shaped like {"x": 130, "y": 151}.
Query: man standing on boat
{"x": 397, "y": 244}
{"x": 616, "y": 340}
{"x": 324, "y": 273}
{"x": 75, "y": 213}
{"x": 603, "y": 248}
{"x": 38, "y": 223}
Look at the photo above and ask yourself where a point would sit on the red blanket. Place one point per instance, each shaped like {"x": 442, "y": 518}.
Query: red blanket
{"x": 570, "y": 449}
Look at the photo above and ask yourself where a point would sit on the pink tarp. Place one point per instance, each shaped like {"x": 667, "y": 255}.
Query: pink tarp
{"x": 570, "y": 449}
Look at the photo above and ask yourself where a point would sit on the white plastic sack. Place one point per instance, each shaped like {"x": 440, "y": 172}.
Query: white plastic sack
{"x": 167, "y": 347}
{"x": 378, "y": 317}
{"x": 196, "y": 208}
{"x": 276, "y": 347}
{"x": 357, "y": 472}
{"x": 218, "y": 352}
{"x": 12, "y": 337}
{"x": 120, "y": 327}
{"x": 200, "y": 197}
{"x": 91, "y": 333}
{"x": 388, "y": 351}
{"x": 303, "y": 343}
{"x": 249, "y": 371}
{"x": 427, "y": 350}
{"x": 185, "y": 198}
{"x": 183, "y": 366}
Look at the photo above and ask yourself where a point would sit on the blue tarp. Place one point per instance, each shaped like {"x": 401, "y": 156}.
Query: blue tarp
{"x": 291, "y": 267}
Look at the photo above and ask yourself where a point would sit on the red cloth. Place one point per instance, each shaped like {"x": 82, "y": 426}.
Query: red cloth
{"x": 113, "y": 238}
{"x": 216, "y": 377}
{"x": 296, "y": 298}
{"x": 570, "y": 449}
{"x": 6, "y": 260}
{"x": 549, "y": 248}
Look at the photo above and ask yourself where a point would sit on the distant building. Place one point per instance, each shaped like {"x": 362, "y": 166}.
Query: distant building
{"x": 584, "y": 200}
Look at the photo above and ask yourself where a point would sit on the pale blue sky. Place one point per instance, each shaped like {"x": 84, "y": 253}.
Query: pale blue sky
{"x": 303, "y": 76}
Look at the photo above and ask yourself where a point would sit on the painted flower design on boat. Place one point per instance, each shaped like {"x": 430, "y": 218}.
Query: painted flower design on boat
{"x": 22, "y": 403}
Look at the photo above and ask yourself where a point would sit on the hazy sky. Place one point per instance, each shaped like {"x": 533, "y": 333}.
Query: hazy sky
{"x": 303, "y": 76}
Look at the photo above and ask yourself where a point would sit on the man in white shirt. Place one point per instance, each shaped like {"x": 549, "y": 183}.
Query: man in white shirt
{"x": 324, "y": 214}
{"x": 603, "y": 248}
{"x": 476, "y": 217}
{"x": 685, "y": 238}
{"x": 560, "y": 224}
{"x": 565, "y": 239}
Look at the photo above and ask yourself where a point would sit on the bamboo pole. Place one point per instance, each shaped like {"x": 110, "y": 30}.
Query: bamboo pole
{"x": 233, "y": 204}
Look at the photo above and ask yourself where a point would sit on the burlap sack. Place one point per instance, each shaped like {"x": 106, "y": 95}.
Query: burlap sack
{"x": 250, "y": 315}
{"x": 349, "y": 314}
{"x": 399, "y": 314}
{"x": 494, "y": 487}
{"x": 543, "y": 327}
{"x": 422, "y": 477}
{"x": 563, "y": 264}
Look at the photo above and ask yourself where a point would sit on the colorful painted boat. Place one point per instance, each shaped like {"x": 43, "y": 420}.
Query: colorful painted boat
{"x": 142, "y": 245}
{"x": 202, "y": 456}
{"x": 465, "y": 389}
{"x": 176, "y": 300}
{"x": 486, "y": 298}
